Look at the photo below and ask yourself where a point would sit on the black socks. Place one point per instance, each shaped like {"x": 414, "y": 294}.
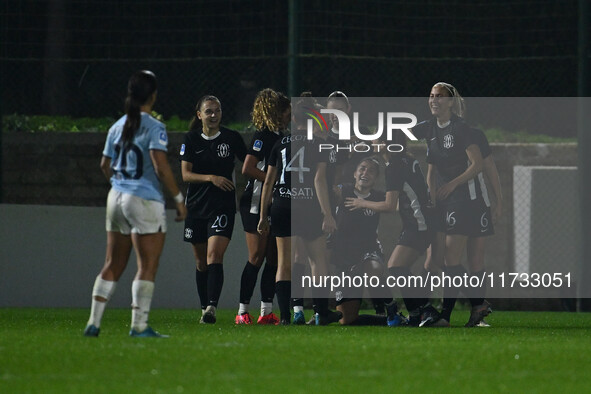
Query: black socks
{"x": 215, "y": 281}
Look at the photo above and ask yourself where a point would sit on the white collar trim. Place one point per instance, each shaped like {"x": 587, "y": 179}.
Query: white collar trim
{"x": 363, "y": 196}
{"x": 213, "y": 137}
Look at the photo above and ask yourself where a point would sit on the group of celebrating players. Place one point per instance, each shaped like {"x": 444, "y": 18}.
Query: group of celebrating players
{"x": 302, "y": 208}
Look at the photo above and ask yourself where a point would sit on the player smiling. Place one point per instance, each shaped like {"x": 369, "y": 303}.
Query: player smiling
{"x": 207, "y": 163}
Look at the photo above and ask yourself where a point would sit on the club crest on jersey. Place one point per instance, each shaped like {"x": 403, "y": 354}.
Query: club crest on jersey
{"x": 448, "y": 141}
{"x": 368, "y": 212}
{"x": 332, "y": 157}
{"x": 223, "y": 150}
{"x": 257, "y": 146}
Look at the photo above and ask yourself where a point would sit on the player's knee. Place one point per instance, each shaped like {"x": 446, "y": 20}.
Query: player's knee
{"x": 215, "y": 257}
{"x": 256, "y": 258}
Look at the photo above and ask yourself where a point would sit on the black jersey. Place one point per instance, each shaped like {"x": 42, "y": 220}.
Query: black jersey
{"x": 296, "y": 159}
{"x": 260, "y": 147}
{"x": 212, "y": 155}
{"x": 404, "y": 175}
{"x": 482, "y": 142}
{"x": 345, "y": 152}
{"x": 485, "y": 151}
{"x": 356, "y": 229}
{"x": 446, "y": 149}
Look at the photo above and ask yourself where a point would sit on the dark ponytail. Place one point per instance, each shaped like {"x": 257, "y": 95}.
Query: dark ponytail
{"x": 140, "y": 88}
{"x": 195, "y": 123}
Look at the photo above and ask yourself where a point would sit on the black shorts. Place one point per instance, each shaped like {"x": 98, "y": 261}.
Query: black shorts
{"x": 306, "y": 221}
{"x": 418, "y": 240}
{"x": 280, "y": 221}
{"x": 250, "y": 221}
{"x": 436, "y": 221}
{"x": 199, "y": 230}
{"x": 469, "y": 218}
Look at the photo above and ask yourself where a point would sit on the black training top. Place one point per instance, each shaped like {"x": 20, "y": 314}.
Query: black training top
{"x": 404, "y": 175}
{"x": 212, "y": 155}
{"x": 296, "y": 159}
{"x": 260, "y": 147}
{"x": 356, "y": 229}
{"x": 446, "y": 149}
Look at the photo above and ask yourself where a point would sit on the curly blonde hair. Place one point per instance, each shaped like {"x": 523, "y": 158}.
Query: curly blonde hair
{"x": 267, "y": 110}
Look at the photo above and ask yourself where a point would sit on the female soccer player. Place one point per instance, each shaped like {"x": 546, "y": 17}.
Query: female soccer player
{"x": 270, "y": 115}
{"x": 300, "y": 209}
{"x": 405, "y": 187}
{"x": 463, "y": 212}
{"x": 207, "y": 164}
{"x": 476, "y": 245}
{"x": 356, "y": 249}
{"x": 339, "y": 100}
{"x": 134, "y": 159}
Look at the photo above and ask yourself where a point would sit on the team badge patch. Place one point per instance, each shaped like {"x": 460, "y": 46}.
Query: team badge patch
{"x": 332, "y": 157}
{"x": 163, "y": 138}
{"x": 257, "y": 146}
{"x": 182, "y": 149}
{"x": 448, "y": 141}
{"x": 223, "y": 150}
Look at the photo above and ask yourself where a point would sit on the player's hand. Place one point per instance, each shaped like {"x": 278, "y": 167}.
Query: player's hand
{"x": 444, "y": 191}
{"x": 328, "y": 224}
{"x": 181, "y": 211}
{"x": 263, "y": 226}
{"x": 354, "y": 203}
{"x": 497, "y": 211}
{"x": 222, "y": 182}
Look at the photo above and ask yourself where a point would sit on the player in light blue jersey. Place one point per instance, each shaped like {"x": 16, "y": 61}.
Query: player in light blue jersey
{"x": 135, "y": 161}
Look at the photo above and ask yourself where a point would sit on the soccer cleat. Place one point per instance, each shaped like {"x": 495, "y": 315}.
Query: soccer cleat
{"x": 397, "y": 320}
{"x": 147, "y": 333}
{"x": 209, "y": 315}
{"x": 285, "y": 322}
{"x": 478, "y": 313}
{"x": 482, "y": 323}
{"x": 414, "y": 321}
{"x": 244, "y": 318}
{"x": 331, "y": 317}
{"x": 430, "y": 317}
{"x": 91, "y": 331}
{"x": 271, "y": 319}
{"x": 299, "y": 318}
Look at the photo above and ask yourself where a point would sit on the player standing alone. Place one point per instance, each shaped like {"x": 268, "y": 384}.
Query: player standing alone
{"x": 207, "y": 164}
{"x": 134, "y": 159}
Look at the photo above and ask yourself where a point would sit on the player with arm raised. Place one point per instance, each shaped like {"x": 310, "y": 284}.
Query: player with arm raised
{"x": 207, "y": 163}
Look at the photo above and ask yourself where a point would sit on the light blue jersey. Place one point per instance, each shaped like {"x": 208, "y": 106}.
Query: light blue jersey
{"x": 133, "y": 171}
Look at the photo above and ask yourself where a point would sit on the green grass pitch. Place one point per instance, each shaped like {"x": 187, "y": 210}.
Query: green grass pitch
{"x": 43, "y": 351}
